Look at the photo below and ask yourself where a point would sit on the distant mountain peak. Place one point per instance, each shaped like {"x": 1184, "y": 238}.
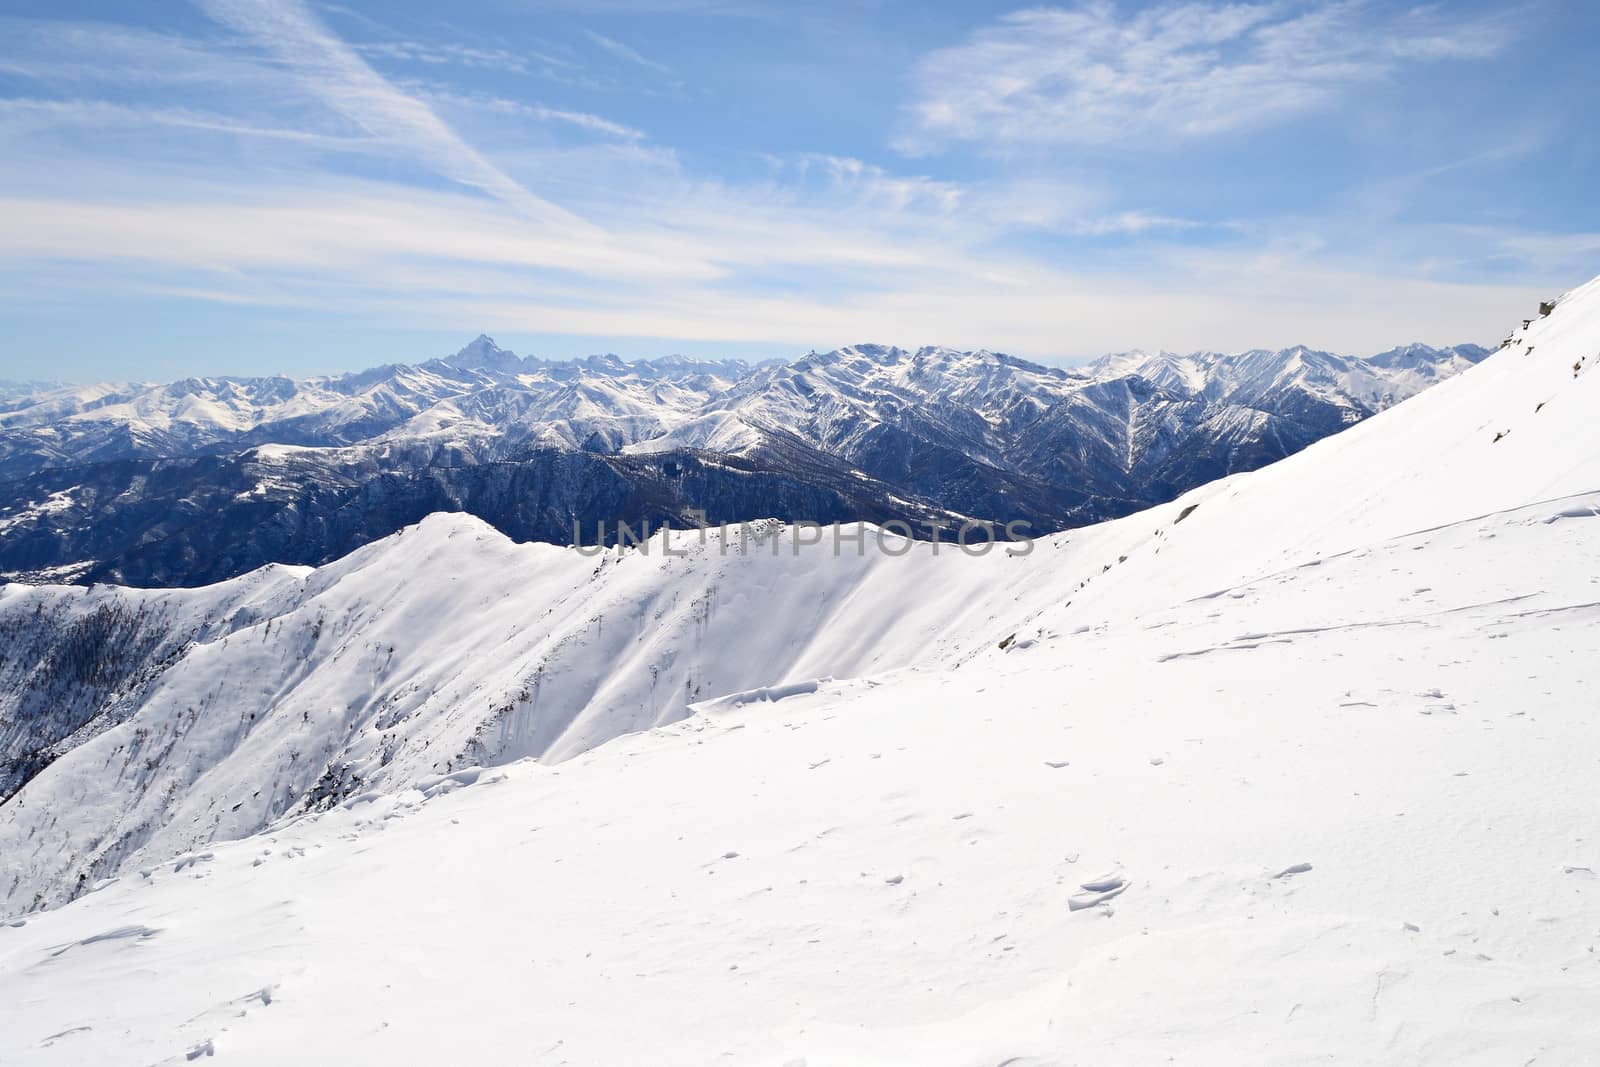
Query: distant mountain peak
{"x": 1417, "y": 354}
{"x": 483, "y": 354}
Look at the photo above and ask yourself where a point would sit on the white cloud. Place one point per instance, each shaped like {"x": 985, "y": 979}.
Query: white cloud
{"x": 500, "y": 105}
{"x": 626, "y": 52}
{"x": 343, "y": 81}
{"x": 330, "y": 227}
{"x": 873, "y": 186}
{"x": 822, "y": 250}
{"x": 705, "y": 262}
{"x": 450, "y": 54}
{"x": 90, "y": 52}
{"x": 1132, "y": 222}
{"x": 1093, "y": 74}
{"x": 19, "y": 115}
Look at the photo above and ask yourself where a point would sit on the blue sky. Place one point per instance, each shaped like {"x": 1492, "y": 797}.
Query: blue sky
{"x": 259, "y": 186}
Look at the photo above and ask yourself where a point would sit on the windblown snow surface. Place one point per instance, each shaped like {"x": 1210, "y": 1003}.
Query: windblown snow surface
{"x": 1300, "y": 768}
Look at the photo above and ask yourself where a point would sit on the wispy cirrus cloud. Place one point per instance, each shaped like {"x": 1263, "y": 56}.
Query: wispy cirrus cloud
{"x": 524, "y": 61}
{"x": 874, "y": 186}
{"x": 1096, "y": 74}
{"x": 853, "y": 253}
{"x": 626, "y": 52}
{"x": 337, "y": 75}
{"x": 24, "y": 114}
{"x": 523, "y": 109}
{"x": 710, "y": 8}
{"x": 263, "y": 162}
{"x": 77, "y": 54}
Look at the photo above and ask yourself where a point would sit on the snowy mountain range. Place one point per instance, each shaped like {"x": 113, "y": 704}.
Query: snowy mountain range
{"x": 24, "y": 391}
{"x": 1297, "y": 767}
{"x": 206, "y": 479}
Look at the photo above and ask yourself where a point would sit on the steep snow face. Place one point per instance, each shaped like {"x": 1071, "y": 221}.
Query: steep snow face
{"x": 1303, "y": 759}
{"x": 321, "y": 684}
{"x": 74, "y": 661}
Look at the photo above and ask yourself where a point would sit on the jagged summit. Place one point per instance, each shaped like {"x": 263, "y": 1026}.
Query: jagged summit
{"x": 483, "y": 354}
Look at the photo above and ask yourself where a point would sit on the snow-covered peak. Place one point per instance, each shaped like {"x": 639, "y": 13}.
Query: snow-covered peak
{"x": 1262, "y": 377}
{"x": 483, "y": 354}
{"x": 1167, "y": 370}
{"x": 1417, "y": 356}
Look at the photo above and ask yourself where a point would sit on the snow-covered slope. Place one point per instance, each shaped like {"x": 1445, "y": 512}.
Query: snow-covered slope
{"x": 1296, "y": 768}
{"x": 294, "y": 688}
